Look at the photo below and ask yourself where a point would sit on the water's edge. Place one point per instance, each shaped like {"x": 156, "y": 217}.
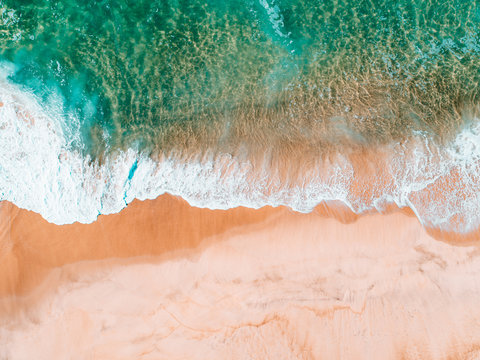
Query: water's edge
{"x": 39, "y": 171}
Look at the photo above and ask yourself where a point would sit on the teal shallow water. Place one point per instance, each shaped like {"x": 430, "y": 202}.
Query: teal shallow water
{"x": 166, "y": 74}
{"x": 241, "y": 103}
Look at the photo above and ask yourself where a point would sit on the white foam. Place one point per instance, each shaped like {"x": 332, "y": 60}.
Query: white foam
{"x": 40, "y": 172}
{"x": 274, "y": 17}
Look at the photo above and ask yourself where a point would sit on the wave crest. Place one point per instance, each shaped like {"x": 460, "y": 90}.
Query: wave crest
{"x": 40, "y": 171}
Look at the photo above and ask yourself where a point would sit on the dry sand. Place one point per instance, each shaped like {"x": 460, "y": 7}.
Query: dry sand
{"x": 163, "y": 280}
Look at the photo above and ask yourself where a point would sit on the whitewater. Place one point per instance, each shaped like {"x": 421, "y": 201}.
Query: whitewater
{"x": 41, "y": 171}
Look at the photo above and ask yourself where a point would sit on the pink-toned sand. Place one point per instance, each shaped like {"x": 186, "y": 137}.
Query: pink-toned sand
{"x": 163, "y": 280}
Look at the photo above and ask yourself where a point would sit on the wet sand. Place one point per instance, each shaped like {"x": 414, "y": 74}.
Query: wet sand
{"x": 164, "y": 280}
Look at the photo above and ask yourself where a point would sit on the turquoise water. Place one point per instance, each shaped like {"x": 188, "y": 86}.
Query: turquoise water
{"x": 164, "y": 74}
{"x": 241, "y": 103}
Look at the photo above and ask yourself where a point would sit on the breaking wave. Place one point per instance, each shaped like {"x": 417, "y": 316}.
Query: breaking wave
{"x": 41, "y": 171}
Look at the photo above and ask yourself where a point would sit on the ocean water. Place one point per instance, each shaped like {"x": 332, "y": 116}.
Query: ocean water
{"x": 241, "y": 102}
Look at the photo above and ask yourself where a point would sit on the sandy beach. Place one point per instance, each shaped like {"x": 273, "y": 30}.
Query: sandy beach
{"x": 164, "y": 280}
{"x": 312, "y": 169}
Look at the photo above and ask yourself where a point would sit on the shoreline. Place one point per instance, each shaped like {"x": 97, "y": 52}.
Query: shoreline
{"x": 216, "y": 283}
{"x": 172, "y": 226}
{"x": 166, "y": 224}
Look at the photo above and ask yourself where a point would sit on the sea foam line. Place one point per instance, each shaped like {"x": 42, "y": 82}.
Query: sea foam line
{"x": 39, "y": 171}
